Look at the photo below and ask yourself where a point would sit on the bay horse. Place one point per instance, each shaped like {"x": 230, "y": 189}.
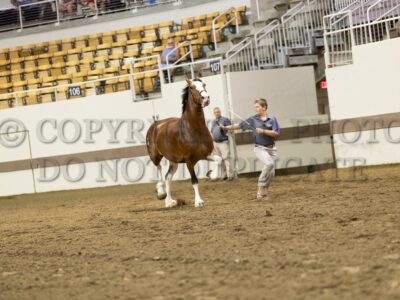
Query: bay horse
{"x": 182, "y": 140}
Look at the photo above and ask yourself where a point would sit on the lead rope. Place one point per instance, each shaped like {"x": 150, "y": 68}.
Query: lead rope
{"x": 155, "y": 117}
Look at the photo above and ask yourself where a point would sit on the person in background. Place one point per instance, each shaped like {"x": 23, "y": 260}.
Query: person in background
{"x": 221, "y": 144}
{"x": 173, "y": 57}
{"x": 265, "y": 131}
{"x": 67, "y": 7}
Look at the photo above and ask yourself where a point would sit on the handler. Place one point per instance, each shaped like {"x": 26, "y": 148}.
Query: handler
{"x": 265, "y": 130}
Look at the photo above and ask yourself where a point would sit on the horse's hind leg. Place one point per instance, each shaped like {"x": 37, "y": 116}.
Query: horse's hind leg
{"x": 198, "y": 202}
{"x": 169, "y": 202}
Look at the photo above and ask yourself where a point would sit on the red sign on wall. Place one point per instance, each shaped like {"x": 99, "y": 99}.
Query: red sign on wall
{"x": 323, "y": 85}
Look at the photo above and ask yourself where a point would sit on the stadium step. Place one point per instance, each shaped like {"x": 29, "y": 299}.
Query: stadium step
{"x": 311, "y": 59}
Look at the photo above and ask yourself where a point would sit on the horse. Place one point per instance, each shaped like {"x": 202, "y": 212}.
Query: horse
{"x": 182, "y": 140}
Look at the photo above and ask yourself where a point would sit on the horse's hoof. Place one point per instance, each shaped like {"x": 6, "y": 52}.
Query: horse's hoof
{"x": 161, "y": 196}
{"x": 199, "y": 204}
{"x": 171, "y": 203}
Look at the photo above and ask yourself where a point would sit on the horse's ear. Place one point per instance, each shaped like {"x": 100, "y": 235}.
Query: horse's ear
{"x": 189, "y": 82}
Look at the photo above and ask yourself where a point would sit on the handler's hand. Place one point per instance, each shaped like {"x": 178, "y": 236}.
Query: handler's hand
{"x": 259, "y": 130}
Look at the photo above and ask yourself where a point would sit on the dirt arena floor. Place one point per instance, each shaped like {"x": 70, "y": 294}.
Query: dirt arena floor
{"x": 325, "y": 235}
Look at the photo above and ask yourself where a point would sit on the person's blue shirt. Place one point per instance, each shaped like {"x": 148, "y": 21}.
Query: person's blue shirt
{"x": 271, "y": 123}
{"x": 171, "y": 58}
{"x": 220, "y": 135}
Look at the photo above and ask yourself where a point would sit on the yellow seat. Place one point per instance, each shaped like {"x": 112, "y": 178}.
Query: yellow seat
{"x": 55, "y": 72}
{"x": 135, "y": 34}
{"x": 3, "y": 54}
{"x": 45, "y": 55}
{"x": 103, "y": 52}
{"x": 117, "y": 53}
{"x": 151, "y": 26}
{"x": 29, "y": 76}
{"x": 187, "y": 23}
{"x": 88, "y": 55}
{"x": 54, "y": 46}
{"x": 46, "y": 97}
{"x": 107, "y": 38}
{"x": 67, "y": 44}
{"x": 71, "y": 69}
{"x": 29, "y": 98}
{"x": 93, "y": 40}
{"x": 150, "y": 35}
{"x": 19, "y": 85}
{"x": 114, "y": 63}
{"x": 4, "y": 104}
{"x": 48, "y": 81}
{"x": 81, "y": 42}
{"x": 34, "y": 84}
{"x": 16, "y": 75}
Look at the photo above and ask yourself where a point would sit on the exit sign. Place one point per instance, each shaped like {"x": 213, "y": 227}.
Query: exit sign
{"x": 323, "y": 85}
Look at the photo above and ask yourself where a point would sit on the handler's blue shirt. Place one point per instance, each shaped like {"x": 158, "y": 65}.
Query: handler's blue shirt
{"x": 220, "y": 135}
{"x": 271, "y": 123}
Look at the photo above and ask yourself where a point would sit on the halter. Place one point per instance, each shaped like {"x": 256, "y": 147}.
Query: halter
{"x": 190, "y": 91}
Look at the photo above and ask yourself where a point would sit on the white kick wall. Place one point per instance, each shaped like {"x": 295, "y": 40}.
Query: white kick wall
{"x": 367, "y": 91}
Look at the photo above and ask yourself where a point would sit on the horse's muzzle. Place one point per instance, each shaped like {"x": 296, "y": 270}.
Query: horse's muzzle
{"x": 206, "y": 101}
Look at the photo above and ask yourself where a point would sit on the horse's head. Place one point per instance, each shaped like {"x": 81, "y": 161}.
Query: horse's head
{"x": 199, "y": 92}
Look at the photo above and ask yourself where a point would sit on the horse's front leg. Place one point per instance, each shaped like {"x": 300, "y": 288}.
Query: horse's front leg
{"x": 198, "y": 202}
{"x": 169, "y": 202}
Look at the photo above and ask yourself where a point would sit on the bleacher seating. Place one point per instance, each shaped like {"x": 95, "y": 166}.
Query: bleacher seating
{"x": 99, "y": 56}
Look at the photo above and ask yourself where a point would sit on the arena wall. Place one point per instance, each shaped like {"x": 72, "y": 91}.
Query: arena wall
{"x": 59, "y": 152}
{"x": 364, "y": 104}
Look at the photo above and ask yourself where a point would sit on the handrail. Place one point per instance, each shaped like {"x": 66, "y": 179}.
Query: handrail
{"x": 381, "y": 16}
{"x": 234, "y": 49}
{"x": 241, "y": 56}
{"x": 273, "y": 26}
{"x": 20, "y": 7}
{"x": 190, "y": 53}
{"x": 335, "y": 57}
{"x": 226, "y": 24}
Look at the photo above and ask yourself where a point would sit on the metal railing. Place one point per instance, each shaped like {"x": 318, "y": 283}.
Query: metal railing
{"x": 296, "y": 30}
{"x": 240, "y": 57}
{"x": 174, "y": 65}
{"x": 229, "y": 21}
{"x": 317, "y": 9}
{"x": 268, "y": 46}
{"x": 381, "y": 10}
{"x": 339, "y": 43}
{"x": 38, "y": 13}
{"x": 56, "y": 11}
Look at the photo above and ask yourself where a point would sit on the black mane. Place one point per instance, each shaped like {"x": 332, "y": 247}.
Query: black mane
{"x": 185, "y": 96}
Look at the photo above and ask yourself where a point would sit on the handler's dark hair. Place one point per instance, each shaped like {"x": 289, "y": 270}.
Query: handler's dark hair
{"x": 262, "y": 102}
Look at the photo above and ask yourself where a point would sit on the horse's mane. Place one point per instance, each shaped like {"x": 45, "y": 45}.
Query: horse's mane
{"x": 185, "y": 96}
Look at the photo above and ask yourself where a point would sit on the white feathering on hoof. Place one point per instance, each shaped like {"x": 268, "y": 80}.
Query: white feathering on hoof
{"x": 160, "y": 190}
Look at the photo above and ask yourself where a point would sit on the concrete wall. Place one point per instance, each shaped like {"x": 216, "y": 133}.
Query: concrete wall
{"x": 364, "y": 104}
{"x": 290, "y": 92}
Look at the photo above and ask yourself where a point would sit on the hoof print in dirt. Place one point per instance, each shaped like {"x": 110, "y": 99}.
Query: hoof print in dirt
{"x": 268, "y": 213}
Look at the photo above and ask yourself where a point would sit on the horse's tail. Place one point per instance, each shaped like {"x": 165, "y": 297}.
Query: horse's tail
{"x": 151, "y": 143}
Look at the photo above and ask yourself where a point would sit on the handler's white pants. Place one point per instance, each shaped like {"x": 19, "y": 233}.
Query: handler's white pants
{"x": 267, "y": 156}
{"x": 223, "y": 151}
